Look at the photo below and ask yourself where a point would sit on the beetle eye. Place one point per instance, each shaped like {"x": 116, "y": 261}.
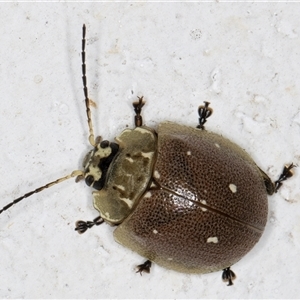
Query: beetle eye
{"x": 104, "y": 144}
{"x": 89, "y": 180}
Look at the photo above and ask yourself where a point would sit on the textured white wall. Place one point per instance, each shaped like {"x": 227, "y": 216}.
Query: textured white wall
{"x": 243, "y": 58}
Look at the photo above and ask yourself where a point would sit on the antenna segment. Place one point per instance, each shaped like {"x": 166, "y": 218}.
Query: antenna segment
{"x": 78, "y": 173}
{"x": 85, "y": 90}
{"x": 57, "y": 181}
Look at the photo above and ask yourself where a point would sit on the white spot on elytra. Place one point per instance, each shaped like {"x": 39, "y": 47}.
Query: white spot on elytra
{"x": 152, "y": 185}
{"x": 188, "y": 153}
{"x": 203, "y": 202}
{"x": 217, "y": 145}
{"x": 213, "y": 239}
{"x": 233, "y": 187}
{"x": 156, "y": 174}
{"x": 148, "y": 195}
{"x": 155, "y": 231}
{"x": 170, "y": 258}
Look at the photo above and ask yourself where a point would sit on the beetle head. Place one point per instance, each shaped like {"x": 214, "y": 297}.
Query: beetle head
{"x": 96, "y": 163}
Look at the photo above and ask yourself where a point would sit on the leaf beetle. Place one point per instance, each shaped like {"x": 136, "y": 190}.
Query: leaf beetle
{"x": 185, "y": 198}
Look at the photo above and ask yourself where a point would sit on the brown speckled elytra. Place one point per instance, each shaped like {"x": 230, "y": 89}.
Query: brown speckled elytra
{"x": 185, "y": 198}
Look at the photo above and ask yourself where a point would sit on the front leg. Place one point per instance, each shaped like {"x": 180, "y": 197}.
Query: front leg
{"x": 138, "y": 120}
{"x": 83, "y": 226}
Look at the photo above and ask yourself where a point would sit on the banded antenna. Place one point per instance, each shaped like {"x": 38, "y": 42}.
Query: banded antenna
{"x": 77, "y": 173}
{"x": 85, "y": 90}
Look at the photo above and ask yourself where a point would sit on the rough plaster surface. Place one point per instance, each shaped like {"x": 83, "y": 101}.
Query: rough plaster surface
{"x": 242, "y": 57}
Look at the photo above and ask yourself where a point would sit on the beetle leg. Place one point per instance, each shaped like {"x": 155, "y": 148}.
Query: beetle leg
{"x": 204, "y": 112}
{"x": 286, "y": 173}
{"x": 138, "y": 120}
{"x": 82, "y": 226}
{"x": 228, "y": 276}
{"x": 145, "y": 267}
{"x": 269, "y": 184}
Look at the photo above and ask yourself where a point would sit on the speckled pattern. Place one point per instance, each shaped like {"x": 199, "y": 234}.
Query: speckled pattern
{"x": 197, "y": 221}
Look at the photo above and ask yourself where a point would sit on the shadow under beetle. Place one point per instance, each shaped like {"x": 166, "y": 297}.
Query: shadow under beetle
{"x": 185, "y": 198}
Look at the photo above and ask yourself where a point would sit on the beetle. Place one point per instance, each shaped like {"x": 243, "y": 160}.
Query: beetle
{"x": 185, "y": 198}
